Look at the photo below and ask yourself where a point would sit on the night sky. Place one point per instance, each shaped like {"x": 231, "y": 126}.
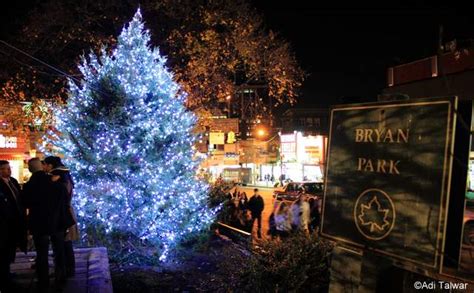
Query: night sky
{"x": 345, "y": 51}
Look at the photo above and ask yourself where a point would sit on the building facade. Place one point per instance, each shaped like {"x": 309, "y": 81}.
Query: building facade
{"x": 449, "y": 73}
{"x": 17, "y": 147}
{"x": 446, "y": 74}
{"x": 303, "y": 137}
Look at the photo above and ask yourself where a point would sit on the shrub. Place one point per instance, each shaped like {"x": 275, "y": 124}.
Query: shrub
{"x": 299, "y": 263}
{"x": 219, "y": 195}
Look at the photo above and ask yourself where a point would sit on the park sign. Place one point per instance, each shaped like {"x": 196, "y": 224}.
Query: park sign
{"x": 387, "y": 178}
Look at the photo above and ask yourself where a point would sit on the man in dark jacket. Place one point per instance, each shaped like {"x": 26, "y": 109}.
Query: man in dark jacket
{"x": 14, "y": 213}
{"x": 61, "y": 174}
{"x": 46, "y": 201}
{"x": 256, "y": 205}
{"x": 5, "y": 257}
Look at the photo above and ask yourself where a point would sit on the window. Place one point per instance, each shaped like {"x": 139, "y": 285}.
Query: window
{"x": 313, "y": 188}
{"x": 290, "y": 187}
{"x": 317, "y": 122}
{"x": 301, "y": 121}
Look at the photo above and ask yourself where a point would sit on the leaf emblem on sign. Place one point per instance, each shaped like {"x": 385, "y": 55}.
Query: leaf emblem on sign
{"x": 373, "y": 215}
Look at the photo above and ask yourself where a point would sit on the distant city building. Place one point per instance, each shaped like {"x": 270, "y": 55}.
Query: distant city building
{"x": 303, "y": 136}
{"x": 449, "y": 73}
{"x": 309, "y": 120}
{"x": 16, "y": 147}
{"x": 295, "y": 147}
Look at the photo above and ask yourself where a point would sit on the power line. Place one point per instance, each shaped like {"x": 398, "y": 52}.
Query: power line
{"x": 62, "y": 73}
{"x": 32, "y": 67}
{"x": 38, "y": 60}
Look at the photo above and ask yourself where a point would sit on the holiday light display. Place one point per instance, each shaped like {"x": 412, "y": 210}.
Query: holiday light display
{"x": 127, "y": 138}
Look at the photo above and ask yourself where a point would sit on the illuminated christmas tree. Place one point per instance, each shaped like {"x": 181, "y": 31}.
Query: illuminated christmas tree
{"x": 128, "y": 140}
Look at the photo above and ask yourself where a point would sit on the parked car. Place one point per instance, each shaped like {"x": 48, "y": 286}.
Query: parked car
{"x": 291, "y": 190}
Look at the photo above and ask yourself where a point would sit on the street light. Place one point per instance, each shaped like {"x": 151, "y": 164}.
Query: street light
{"x": 228, "y": 98}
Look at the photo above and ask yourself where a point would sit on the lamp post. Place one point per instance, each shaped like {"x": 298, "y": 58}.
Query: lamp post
{"x": 228, "y": 98}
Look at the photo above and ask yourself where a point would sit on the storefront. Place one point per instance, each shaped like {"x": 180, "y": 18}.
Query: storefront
{"x": 220, "y": 149}
{"x": 16, "y": 151}
{"x": 269, "y": 172}
{"x": 302, "y": 157}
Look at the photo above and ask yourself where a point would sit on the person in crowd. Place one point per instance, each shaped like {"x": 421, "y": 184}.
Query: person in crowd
{"x": 47, "y": 220}
{"x": 300, "y": 213}
{"x": 282, "y": 179}
{"x": 14, "y": 217}
{"x": 238, "y": 219}
{"x": 314, "y": 215}
{"x": 283, "y": 221}
{"x": 5, "y": 240}
{"x": 256, "y": 206}
{"x": 236, "y": 194}
{"x": 243, "y": 201}
{"x": 61, "y": 174}
{"x": 272, "y": 231}
{"x": 247, "y": 221}
{"x": 228, "y": 195}
{"x": 231, "y": 212}
{"x": 219, "y": 180}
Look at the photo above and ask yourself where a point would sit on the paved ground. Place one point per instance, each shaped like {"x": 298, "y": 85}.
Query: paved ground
{"x": 92, "y": 272}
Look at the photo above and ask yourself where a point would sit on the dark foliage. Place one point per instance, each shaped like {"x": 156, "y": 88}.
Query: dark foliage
{"x": 300, "y": 263}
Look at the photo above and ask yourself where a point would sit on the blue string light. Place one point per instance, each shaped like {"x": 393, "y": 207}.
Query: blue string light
{"x": 128, "y": 140}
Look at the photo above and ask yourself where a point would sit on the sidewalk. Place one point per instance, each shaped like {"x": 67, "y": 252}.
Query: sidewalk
{"x": 261, "y": 184}
{"x": 92, "y": 272}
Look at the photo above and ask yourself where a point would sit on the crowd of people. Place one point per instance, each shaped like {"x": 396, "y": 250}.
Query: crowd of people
{"x": 286, "y": 218}
{"x": 41, "y": 208}
{"x": 243, "y": 212}
{"x": 302, "y": 215}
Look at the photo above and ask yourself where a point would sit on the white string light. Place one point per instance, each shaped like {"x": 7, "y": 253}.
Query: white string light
{"x": 130, "y": 145}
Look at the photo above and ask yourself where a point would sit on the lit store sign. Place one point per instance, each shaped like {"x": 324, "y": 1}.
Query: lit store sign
{"x": 288, "y": 138}
{"x": 288, "y": 147}
{"x": 8, "y": 142}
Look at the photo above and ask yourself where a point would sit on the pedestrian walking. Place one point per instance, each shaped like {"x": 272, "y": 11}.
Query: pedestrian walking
{"x": 283, "y": 221}
{"x": 282, "y": 179}
{"x": 256, "y": 206}
{"x": 300, "y": 213}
